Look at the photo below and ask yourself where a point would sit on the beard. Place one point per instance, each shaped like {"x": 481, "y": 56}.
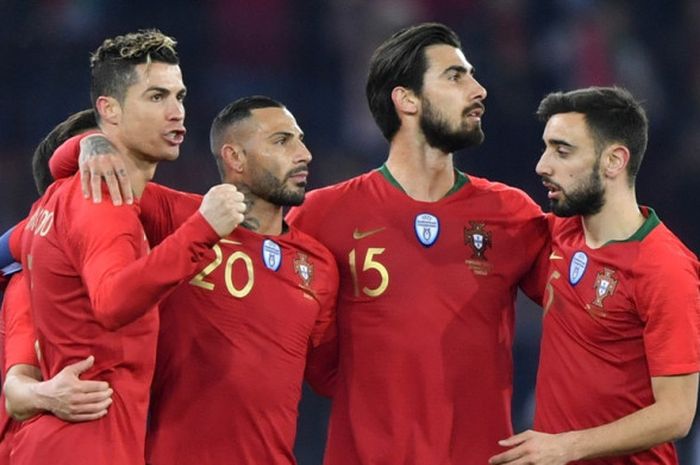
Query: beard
{"x": 275, "y": 191}
{"x": 585, "y": 200}
{"x": 439, "y": 133}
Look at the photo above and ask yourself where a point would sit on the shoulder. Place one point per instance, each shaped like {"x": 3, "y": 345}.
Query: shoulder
{"x": 318, "y": 202}
{"x": 511, "y": 198}
{"x": 306, "y": 243}
{"x": 338, "y": 191}
{"x": 663, "y": 251}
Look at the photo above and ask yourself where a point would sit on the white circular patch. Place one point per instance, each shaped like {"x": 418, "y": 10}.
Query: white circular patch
{"x": 427, "y": 228}
{"x": 272, "y": 254}
{"x": 577, "y": 268}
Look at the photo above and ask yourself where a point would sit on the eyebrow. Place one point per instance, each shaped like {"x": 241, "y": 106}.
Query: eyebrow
{"x": 559, "y": 142}
{"x": 283, "y": 133}
{"x": 460, "y": 69}
{"x": 163, "y": 90}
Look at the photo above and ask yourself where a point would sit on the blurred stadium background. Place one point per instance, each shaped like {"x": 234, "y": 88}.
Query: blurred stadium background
{"x": 313, "y": 54}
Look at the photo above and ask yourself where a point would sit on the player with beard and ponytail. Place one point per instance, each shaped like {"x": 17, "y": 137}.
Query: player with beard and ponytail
{"x": 430, "y": 260}
{"x": 618, "y": 373}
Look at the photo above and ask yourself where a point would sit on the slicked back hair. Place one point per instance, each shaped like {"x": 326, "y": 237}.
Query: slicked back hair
{"x": 73, "y": 125}
{"x": 230, "y": 115}
{"x": 113, "y": 64}
{"x": 612, "y": 115}
{"x": 401, "y": 61}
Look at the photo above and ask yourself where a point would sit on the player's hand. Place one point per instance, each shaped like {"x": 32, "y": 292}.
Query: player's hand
{"x": 72, "y": 399}
{"x": 534, "y": 448}
{"x": 99, "y": 160}
{"x": 223, "y": 207}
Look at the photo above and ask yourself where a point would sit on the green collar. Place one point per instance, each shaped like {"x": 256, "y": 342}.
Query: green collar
{"x": 650, "y": 223}
{"x": 460, "y": 180}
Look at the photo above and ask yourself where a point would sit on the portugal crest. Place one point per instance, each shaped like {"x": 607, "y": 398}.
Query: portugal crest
{"x": 605, "y": 284}
{"x": 478, "y": 238}
{"x": 304, "y": 268}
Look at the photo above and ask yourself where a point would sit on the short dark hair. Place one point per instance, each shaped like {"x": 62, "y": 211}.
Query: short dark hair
{"x": 401, "y": 61}
{"x": 112, "y": 64}
{"x": 612, "y": 115}
{"x": 73, "y": 125}
{"x": 231, "y": 114}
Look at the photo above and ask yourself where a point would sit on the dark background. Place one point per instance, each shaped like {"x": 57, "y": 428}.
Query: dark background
{"x": 312, "y": 55}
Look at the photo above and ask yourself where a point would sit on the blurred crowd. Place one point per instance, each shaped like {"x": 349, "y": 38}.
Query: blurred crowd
{"x": 313, "y": 54}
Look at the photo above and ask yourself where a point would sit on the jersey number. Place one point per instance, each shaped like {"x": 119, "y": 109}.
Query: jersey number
{"x": 550, "y": 290}
{"x": 228, "y": 273}
{"x": 370, "y": 264}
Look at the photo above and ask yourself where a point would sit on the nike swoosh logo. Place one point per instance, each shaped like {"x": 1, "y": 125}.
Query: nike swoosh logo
{"x": 554, "y": 256}
{"x": 357, "y": 234}
{"x": 227, "y": 241}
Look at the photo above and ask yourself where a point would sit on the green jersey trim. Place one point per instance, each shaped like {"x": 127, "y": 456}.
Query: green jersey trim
{"x": 460, "y": 180}
{"x": 649, "y": 224}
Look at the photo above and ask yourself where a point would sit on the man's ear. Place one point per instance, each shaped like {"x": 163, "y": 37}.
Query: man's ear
{"x": 109, "y": 109}
{"x": 405, "y": 100}
{"x": 234, "y": 157}
{"x": 615, "y": 160}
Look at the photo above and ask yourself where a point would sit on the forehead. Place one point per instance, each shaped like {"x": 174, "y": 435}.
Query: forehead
{"x": 568, "y": 127}
{"x": 158, "y": 74}
{"x": 271, "y": 120}
{"x": 441, "y": 57}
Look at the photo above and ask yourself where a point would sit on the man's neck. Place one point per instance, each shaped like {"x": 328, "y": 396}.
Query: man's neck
{"x": 261, "y": 216}
{"x": 139, "y": 169}
{"x": 425, "y": 173}
{"x": 618, "y": 220}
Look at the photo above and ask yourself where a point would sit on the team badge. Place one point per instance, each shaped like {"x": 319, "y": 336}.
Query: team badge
{"x": 604, "y": 286}
{"x": 478, "y": 239}
{"x": 304, "y": 268}
{"x": 427, "y": 228}
{"x": 577, "y": 268}
{"x": 272, "y": 254}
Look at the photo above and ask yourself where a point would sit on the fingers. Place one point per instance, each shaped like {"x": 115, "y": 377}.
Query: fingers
{"x": 86, "y": 412}
{"x": 509, "y": 457}
{"x": 125, "y": 184}
{"x": 514, "y": 440}
{"x": 81, "y": 366}
{"x": 99, "y": 159}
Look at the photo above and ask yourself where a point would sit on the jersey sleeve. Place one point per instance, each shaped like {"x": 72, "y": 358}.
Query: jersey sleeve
{"x": 322, "y": 359}
{"x": 64, "y": 161}
{"x": 19, "y": 328}
{"x": 121, "y": 283}
{"x": 669, "y": 304}
{"x": 535, "y": 280}
{"x": 163, "y": 210}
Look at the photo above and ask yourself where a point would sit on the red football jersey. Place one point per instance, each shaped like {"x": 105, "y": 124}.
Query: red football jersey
{"x": 425, "y": 316}
{"x": 94, "y": 289}
{"x": 17, "y": 343}
{"x": 234, "y": 340}
{"x": 614, "y": 317}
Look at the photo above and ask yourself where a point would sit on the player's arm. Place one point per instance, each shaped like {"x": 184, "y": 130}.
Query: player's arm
{"x": 122, "y": 284}
{"x": 669, "y": 418}
{"x": 26, "y": 394}
{"x": 322, "y": 358}
{"x": 65, "y": 395}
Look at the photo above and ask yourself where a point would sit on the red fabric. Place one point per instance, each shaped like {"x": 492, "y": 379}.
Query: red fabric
{"x": 425, "y": 332}
{"x": 233, "y": 343}
{"x": 597, "y": 359}
{"x": 94, "y": 290}
{"x": 17, "y": 338}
